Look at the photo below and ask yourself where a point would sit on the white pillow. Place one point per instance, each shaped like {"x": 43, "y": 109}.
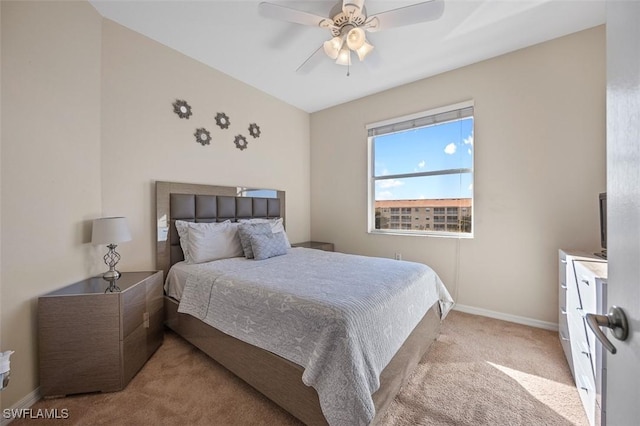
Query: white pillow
{"x": 204, "y": 242}
{"x": 276, "y": 226}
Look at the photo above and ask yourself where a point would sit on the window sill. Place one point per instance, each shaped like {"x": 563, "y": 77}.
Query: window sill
{"x": 399, "y": 232}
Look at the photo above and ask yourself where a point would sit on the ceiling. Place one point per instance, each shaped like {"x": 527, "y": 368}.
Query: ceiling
{"x": 232, "y": 37}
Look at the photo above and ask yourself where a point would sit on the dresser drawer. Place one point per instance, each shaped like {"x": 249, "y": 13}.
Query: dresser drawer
{"x": 587, "y": 392}
{"x": 573, "y": 302}
{"x": 582, "y": 357}
{"x": 586, "y": 287}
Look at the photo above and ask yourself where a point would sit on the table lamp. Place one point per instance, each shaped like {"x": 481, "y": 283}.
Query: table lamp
{"x": 109, "y": 231}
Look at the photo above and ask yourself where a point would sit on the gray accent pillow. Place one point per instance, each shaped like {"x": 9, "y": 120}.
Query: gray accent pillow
{"x": 268, "y": 245}
{"x": 246, "y": 230}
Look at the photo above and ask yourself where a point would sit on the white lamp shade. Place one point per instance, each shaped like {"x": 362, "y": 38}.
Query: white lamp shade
{"x": 344, "y": 57}
{"x": 364, "y": 50}
{"x": 332, "y": 47}
{"x": 356, "y": 38}
{"x": 110, "y": 230}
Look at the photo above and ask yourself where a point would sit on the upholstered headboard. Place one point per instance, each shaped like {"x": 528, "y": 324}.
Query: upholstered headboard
{"x": 204, "y": 203}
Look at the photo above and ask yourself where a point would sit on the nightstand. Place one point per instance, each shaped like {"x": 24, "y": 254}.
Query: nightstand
{"x": 92, "y": 341}
{"x": 318, "y": 245}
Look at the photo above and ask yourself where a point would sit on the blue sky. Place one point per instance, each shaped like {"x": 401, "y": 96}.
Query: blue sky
{"x": 439, "y": 147}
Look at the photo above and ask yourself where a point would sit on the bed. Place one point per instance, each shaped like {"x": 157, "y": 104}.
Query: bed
{"x": 266, "y": 363}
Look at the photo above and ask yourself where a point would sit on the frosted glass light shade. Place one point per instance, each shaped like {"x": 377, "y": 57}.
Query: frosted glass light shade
{"x": 332, "y": 47}
{"x": 364, "y": 50}
{"x": 356, "y": 38}
{"x": 344, "y": 57}
{"x": 110, "y": 230}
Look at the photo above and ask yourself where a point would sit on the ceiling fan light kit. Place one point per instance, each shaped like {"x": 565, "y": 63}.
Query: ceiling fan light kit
{"x": 344, "y": 57}
{"x": 332, "y": 47}
{"x": 348, "y": 22}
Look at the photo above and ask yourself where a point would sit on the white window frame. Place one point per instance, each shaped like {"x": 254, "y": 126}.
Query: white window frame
{"x": 401, "y": 123}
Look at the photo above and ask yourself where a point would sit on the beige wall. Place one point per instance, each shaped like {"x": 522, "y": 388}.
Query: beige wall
{"x": 88, "y": 126}
{"x": 539, "y": 165}
{"x": 50, "y": 164}
{"x": 1, "y": 347}
{"x": 143, "y": 140}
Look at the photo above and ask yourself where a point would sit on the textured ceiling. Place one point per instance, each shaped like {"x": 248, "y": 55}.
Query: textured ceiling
{"x": 232, "y": 37}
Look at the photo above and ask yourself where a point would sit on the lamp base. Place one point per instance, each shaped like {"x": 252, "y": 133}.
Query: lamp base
{"x": 111, "y": 274}
{"x": 113, "y": 288}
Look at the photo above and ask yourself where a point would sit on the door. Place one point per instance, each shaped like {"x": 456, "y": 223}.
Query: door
{"x": 623, "y": 199}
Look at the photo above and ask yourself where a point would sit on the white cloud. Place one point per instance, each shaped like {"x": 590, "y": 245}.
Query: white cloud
{"x": 384, "y": 195}
{"x": 421, "y": 164}
{"x": 469, "y": 140}
{"x": 389, "y": 183}
{"x": 469, "y": 151}
{"x": 470, "y": 186}
{"x": 450, "y": 149}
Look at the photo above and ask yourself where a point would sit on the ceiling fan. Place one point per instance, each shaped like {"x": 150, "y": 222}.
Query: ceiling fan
{"x": 348, "y": 21}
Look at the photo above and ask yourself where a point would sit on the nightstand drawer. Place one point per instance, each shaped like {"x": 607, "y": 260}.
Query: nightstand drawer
{"x": 135, "y": 304}
{"x": 134, "y": 352}
{"x": 155, "y": 294}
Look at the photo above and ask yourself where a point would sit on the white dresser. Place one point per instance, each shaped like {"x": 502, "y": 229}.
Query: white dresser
{"x": 583, "y": 290}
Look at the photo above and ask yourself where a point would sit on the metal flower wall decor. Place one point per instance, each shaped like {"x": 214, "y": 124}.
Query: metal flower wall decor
{"x": 254, "y": 130}
{"x": 241, "y": 142}
{"x": 222, "y": 120}
{"x": 182, "y": 108}
{"x": 203, "y": 136}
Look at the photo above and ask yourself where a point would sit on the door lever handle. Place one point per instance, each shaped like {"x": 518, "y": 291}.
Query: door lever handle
{"x": 616, "y": 320}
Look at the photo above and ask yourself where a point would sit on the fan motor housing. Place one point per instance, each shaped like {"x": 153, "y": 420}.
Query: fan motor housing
{"x": 340, "y": 19}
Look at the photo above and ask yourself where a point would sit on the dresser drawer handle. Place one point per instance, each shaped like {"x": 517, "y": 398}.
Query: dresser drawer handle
{"x": 563, "y": 338}
{"x": 563, "y": 260}
{"x": 563, "y": 286}
{"x": 585, "y": 281}
{"x": 563, "y": 311}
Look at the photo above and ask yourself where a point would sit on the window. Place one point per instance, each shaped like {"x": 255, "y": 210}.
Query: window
{"x": 423, "y": 163}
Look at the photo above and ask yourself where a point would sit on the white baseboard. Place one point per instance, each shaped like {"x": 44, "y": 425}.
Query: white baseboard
{"x": 507, "y": 317}
{"x": 24, "y": 403}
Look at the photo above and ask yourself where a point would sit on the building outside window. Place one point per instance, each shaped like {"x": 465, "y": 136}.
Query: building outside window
{"x": 422, "y": 165}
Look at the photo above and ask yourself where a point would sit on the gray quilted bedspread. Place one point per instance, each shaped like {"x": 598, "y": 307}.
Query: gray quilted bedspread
{"x": 341, "y": 317}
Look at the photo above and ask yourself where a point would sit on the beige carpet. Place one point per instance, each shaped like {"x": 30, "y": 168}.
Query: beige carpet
{"x": 480, "y": 371}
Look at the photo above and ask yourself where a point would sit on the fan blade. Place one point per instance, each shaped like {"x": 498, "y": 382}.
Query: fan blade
{"x": 311, "y": 62}
{"x": 409, "y": 15}
{"x": 282, "y": 13}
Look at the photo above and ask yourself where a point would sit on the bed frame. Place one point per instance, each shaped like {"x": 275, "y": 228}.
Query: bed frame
{"x": 277, "y": 378}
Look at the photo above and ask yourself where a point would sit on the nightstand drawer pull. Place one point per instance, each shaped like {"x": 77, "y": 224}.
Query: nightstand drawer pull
{"x": 145, "y": 319}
